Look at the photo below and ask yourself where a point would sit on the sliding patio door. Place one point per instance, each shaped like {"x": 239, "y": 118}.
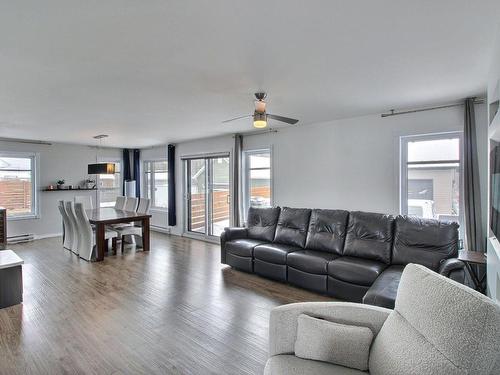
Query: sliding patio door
{"x": 207, "y": 198}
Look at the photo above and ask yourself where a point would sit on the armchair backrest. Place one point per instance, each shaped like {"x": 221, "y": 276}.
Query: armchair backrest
{"x": 437, "y": 326}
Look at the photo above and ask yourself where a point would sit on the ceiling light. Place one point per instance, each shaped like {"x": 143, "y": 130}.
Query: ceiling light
{"x": 259, "y": 120}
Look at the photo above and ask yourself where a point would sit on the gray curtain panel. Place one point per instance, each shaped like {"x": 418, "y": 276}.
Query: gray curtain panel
{"x": 472, "y": 198}
{"x": 236, "y": 196}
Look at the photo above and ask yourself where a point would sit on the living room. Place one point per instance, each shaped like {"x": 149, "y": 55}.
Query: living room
{"x": 176, "y": 177}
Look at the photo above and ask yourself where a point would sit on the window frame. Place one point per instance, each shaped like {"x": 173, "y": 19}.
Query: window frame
{"x": 35, "y": 178}
{"x": 98, "y": 179}
{"x": 403, "y": 175}
{"x": 152, "y": 187}
{"x": 246, "y": 177}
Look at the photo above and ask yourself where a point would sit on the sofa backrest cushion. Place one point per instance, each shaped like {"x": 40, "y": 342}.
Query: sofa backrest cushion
{"x": 424, "y": 241}
{"x": 261, "y": 223}
{"x": 437, "y": 326}
{"x": 327, "y": 230}
{"x": 292, "y": 226}
{"x": 369, "y": 235}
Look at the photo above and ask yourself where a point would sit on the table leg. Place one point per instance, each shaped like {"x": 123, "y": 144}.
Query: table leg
{"x": 145, "y": 234}
{"x": 100, "y": 241}
{"x": 479, "y": 284}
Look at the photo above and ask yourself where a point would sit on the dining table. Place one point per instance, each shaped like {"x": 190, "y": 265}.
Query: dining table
{"x": 101, "y": 217}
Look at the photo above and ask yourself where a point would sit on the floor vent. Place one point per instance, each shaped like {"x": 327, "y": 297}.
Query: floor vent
{"x": 20, "y": 238}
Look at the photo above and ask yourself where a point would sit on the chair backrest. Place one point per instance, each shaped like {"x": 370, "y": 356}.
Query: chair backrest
{"x": 131, "y": 204}
{"x": 120, "y": 202}
{"x": 70, "y": 211}
{"x": 144, "y": 204}
{"x": 85, "y": 232}
{"x": 437, "y": 326}
{"x": 67, "y": 226}
{"x": 86, "y": 200}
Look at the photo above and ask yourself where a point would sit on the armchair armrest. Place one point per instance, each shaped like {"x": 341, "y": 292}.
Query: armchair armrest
{"x": 453, "y": 269}
{"x": 283, "y": 321}
{"x": 228, "y": 235}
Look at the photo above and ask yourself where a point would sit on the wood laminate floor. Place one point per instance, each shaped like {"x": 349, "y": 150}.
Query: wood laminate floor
{"x": 174, "y": 310}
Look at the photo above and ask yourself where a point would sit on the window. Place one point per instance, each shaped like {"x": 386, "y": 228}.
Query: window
{"x": 110, "y": 185}
{"x": 18, "y": 184}
{"x": 257, "y": 179}
{"x": 156, "y": 183}
{"x": 431, "y": 170}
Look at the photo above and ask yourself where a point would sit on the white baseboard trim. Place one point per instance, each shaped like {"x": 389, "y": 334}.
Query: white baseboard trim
{"x": 47, "y": 235}
{"x": 160, "y": 229}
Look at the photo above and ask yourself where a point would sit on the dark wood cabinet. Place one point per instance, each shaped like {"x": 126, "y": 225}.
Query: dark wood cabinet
{"x": 3, "y": 228}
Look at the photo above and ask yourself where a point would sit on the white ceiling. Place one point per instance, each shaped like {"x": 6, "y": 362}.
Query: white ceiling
{"x": 155, "y": 71}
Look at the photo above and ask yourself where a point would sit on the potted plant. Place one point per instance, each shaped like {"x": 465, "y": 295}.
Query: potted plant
{"x": 60, "y": 184}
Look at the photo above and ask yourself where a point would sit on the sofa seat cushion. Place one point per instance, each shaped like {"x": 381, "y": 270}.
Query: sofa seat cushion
{"x": 384, "y": 290}
{"x": 274, "y": 252}
{"x": 356, "y": 270}
{"x": 292, "y": 365}
{"x": 310, "y": 261}
{"x": 242, "y": 247}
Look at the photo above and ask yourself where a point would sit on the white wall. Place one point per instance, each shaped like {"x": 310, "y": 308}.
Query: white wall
{"x": 351, "y": 164}
{"x": 56, "y": 161}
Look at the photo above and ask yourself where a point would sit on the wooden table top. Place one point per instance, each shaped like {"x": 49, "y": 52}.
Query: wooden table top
{"x": 472, "y": 256}
{"x": 110, "y": 215}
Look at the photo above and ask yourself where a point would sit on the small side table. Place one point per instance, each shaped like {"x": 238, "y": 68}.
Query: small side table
{"x": 11, "y": 279}
{"x": 474, "y": 258}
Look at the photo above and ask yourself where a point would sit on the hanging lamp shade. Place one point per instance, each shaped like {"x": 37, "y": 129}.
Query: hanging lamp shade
{"x": 101, "y": 168}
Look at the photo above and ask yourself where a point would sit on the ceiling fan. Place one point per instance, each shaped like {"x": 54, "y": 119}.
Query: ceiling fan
{"x": 260, "y": 115}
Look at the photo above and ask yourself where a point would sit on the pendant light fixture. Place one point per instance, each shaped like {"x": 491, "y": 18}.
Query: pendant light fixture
{"x": 100, "y": 168}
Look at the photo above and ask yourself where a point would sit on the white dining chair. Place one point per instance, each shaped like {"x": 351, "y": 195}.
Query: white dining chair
{"x": 87, "y": 249}
{"x": 134, "y": 230}
{"x": 67, "y": 227}
{"x": 131, "y": 204}
{"x": 75, "y": 238}
{"x": 120, "y": 202}
{"x": 86, "y": 200}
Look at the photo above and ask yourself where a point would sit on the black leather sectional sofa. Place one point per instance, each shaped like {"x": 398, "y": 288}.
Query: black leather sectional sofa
{"x": 355, "y": 256}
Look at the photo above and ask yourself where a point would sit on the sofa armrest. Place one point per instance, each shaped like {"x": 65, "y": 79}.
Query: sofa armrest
{"x": 283, "y": 321}
{"x": 228, "y": 235}
{"x": 453, "y": 269}
{"x": 235, "y": 233}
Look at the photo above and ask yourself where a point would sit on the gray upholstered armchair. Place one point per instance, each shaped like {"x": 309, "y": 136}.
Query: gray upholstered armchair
{"x": 438, "y": 326}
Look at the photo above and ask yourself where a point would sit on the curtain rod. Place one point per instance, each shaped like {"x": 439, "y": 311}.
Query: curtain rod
{"x": 392, "y": 112}
{"x": 257, "y": 132}
{"x": 18, "y": 140}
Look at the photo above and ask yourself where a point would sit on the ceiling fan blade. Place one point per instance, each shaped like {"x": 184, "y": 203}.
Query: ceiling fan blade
{"x": 283, "y": 119}
{"x": 236, "y": 118}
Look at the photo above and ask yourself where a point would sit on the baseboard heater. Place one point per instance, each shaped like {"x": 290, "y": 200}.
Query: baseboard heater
{"x": 20, "y": 238}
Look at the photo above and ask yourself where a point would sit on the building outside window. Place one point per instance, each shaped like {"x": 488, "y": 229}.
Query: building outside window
{"x": 156, "y": 183}
{"x": 431, "y": 176}
{"x": 257, "y": 179}
{"x": 110, "y": 185}
{"x": 18, "y": 192}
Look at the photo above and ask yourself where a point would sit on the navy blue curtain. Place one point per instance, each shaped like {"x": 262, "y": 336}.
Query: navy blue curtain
{"x": 172, "y": 213}
{"x": 137, "y": 172}
{"x": 126, "y": 168}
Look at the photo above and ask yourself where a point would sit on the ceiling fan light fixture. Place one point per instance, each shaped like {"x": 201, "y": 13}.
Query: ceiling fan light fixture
{"x": 259, "y": 120}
